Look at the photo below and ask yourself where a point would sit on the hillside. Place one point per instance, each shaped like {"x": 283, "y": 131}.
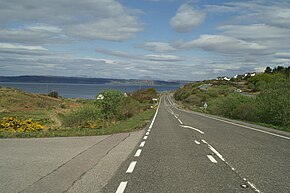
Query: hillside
{"x": 262, "y": 98}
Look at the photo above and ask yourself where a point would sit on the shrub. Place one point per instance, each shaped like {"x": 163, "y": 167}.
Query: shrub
{"x": 87, "y": 116}
{"x": 246, "y": 112}
{"x": 13, "y": 124}
{"x": 145, "y": 95}
{"x": 107, "y": 102}
{"x": 273, "y": 104}
{"x": 225, "y": 106}
{"x": 53, "y": 94}
{"x": 128, "y": 107}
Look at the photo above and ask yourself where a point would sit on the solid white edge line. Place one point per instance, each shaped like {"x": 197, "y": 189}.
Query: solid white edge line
{"x": 147, "y": 133}
{"x": 185, "y": 126}
{"x": 138, "y": 152}
{"x": 122, "y": 187}
{"x": 145, "y": 137}
{"x": 142, "y": 144}
{"x": 152, "y": 122}
{"x": 236, "y": 124}
{"x": 180, "y": 121}
{"x": 131, "y": 167}
{"x": 212, "y": 159}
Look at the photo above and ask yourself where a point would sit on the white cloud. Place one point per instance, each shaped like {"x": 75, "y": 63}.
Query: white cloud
{"x": 91, "y": 19}
{"x": 157, "y": 46}
{"x": 224, "y": 44}
{"x": 271, "y": 36}
{"x": 162, "y": 57}
{"x": 186, "y": 19}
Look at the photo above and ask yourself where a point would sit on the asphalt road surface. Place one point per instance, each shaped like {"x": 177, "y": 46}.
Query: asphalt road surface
{"x": 184, "y": 151}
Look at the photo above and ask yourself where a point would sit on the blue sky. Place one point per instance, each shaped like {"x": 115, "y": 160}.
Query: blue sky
{"x": 143, "y": 39}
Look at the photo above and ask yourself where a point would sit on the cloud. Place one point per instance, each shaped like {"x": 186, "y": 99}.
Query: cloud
{"x": 271, "y": 36}
{"x": 186, "y": 19}
{"x": 22, "y": 49}
{"x": 33, "y": 34}
{"x": 142, "y": 58}
{"x": 223, "y": 44}
{"x": 90, "y": 19}
{"x": 157, "y": 46}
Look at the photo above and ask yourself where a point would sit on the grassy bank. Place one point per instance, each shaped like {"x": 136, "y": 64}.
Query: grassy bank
{"x": 131, "y": 124}
{"x": 26, "y": 114}
{"x": 262, "y": 99}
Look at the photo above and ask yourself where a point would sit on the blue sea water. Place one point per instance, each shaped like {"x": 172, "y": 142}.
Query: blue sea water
{"x": 87, "y": 91}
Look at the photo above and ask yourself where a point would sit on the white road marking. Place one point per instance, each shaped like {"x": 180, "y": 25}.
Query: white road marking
{"x": 180, "y": 121}
{"x": 147, "y": 133}
{"x": 149, "y": 130}
{"x": 197, "y": 142}
{"x": 236, "y": 124}
{"x": 121, "y": 187}
{"x": 189, "y": 127}
{"x": 175, "y": 116}
{"x": 155, "y": 115}
{"x": 142, "y": 144}
{"x": 145, "y": 137}
{"x": 131, "y": 167}
{"x": 138, "y": 152}
{"x": 204, "y": 141}
{"x": 253, "y": 186}
{"x": 211, "y": 159}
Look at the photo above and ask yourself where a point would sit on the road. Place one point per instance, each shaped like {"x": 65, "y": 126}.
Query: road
{"x": 63, "y": 164}
{"x": 184, "y": 151}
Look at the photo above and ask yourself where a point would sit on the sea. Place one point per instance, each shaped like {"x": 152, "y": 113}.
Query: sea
{"x": 86, "y": 91}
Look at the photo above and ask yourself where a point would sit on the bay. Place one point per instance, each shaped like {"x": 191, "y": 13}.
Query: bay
{"x": 87, "y": 91}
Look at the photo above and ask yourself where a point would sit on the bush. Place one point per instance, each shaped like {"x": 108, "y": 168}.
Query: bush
{"x": 128, "y": 107}
{"x": 108, "y": 102}
{"x": 53, "y": 94}
{"x": 145, "y": 95}
{"x": 273, "y": 104}
{"x": 225, "y": 106}
{"x": 246, "y": 112}
{"x": 87, "y": 116}
{"x": 13, "y": 125}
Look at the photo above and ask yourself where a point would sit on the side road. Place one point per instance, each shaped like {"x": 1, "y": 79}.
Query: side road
{"x": 71, "y": 164}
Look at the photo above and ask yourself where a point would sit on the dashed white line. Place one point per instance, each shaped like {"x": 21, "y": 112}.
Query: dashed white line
{"x": 138, "y": 152}
{"x": 189, "y": 127}
{"x": 145, "y": 137}
{"x": 147, "y": 133}
{"x": 142, "y": 144}
{"x": 204, "y": 141}
{"x": 180, "y": 121}
{"x": 121, "y": 187}
{"x": 131, "y": 167}
{"x": 197, "y": 142}
{"x": 212, "y": 159}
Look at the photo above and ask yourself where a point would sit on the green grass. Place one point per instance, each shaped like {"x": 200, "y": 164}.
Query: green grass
{"x": 131, "y": 124}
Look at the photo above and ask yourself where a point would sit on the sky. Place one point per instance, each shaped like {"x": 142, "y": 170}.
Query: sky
{"x": 143, "y": 39}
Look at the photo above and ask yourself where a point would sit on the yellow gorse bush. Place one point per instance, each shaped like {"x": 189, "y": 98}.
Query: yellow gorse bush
{"x": 13, "y": 124}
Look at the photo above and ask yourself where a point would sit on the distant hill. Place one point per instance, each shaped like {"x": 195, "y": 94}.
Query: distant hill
{"x": 80, "y": 80}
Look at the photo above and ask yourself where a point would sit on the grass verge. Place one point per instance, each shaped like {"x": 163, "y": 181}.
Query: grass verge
{"x": 131, "y": 124}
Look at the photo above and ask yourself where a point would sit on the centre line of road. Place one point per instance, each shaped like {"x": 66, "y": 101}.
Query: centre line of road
{"x": 180, "y": 121}
{"x": 142, "y": 144}
{"x": 212, "y": 159}
{"x": 155, "y": 115}
{"x": 189, "y": 127}
{"x": 131, "y": 167}
{"x": 138, "y": 152}
{"x": 147, "y": 133}
{"x": 122, "y": 187}
{"x": 145, "y": 137}
{"x": 197, "y": 142}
